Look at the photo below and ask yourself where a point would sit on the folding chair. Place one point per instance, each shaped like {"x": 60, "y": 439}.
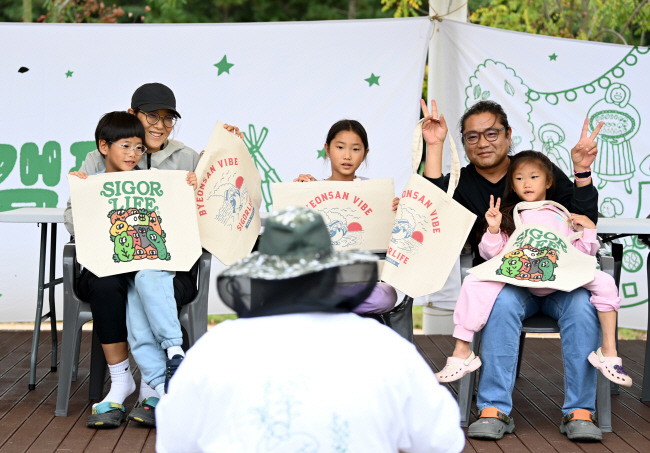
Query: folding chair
{"x": 76, "y": 313}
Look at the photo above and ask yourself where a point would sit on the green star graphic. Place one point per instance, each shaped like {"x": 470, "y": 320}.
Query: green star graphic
{"x": 372, "y": 80}
{"x": 321, "y": 154}
{"x": 552, "y": 57}
{"x": 224, "y": 66}
{"x": 68, "y": 74}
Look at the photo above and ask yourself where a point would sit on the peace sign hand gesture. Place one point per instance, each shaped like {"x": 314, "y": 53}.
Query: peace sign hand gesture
{"x": 493, "y": 215}
{"x": 434, "y": 128}
{"x": 584, "y": 153}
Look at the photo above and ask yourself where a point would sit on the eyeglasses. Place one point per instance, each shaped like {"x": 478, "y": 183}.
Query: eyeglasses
{"x": 126, "y": 148}
{"x": 491, "y": 134}
{"x": 153, "y": 118}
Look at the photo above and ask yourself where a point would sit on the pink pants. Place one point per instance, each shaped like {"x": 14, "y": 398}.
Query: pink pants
{"x": 477, "y": 298}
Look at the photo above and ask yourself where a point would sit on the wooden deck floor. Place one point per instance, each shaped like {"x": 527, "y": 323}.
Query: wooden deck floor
{"x": 27, "y": 421}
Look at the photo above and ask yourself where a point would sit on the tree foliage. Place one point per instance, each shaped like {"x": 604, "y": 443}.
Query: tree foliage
{"x": 622, "y": 21}
{"x": 191, "y": 11}
{"x": 404, "y": 8}
{"x": 90, "y": 11}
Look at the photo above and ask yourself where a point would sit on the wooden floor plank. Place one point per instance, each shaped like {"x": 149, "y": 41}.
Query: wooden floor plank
{"x": 28, "y": 422}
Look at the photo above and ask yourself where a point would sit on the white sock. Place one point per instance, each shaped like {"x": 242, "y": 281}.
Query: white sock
{"x": 174, "y": 350}
{"x": 122, "y": 383}
{"x": 146, "y": 391}
{"x": 160, "y": 389}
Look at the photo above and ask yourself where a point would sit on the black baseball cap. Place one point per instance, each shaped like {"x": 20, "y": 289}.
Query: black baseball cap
{"x": 154, "y": 96}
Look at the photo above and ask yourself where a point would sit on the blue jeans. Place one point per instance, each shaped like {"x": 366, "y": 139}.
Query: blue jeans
{"x": 152, "y": 322}
{"x": 580, "y": 332}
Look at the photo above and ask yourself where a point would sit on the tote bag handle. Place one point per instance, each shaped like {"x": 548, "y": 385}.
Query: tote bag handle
{"x": 416, "y": 157}
{"x": 539, "y": 205}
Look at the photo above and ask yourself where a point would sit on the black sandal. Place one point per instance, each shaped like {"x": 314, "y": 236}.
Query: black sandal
{"x": 145, "y": 412}
{"x": 107, "y": 415}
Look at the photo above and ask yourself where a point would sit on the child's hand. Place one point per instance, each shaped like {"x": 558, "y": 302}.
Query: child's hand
{"x": 583, "y": 221}
{"x": 191, "y": 179}
{"x": 79, "y": 174}
{"x": 493, "y": 216}
{"x": 304, "y": 178}
{"x": 395, "y": 203}
{"x": 234, "y": 130}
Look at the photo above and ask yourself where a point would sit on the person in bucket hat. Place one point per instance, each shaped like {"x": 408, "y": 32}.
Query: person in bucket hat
{"x": 296, "y": 368}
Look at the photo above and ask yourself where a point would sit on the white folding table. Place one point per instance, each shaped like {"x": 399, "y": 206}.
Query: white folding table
{"x": 42, "y": 217}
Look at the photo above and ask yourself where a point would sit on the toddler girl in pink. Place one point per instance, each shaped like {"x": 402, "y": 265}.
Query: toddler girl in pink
{"x": 529, "y": 177}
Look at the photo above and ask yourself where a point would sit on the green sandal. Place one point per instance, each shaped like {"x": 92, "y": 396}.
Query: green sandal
{"x": 107, "y": 415}
{"x": 145, "y": 413}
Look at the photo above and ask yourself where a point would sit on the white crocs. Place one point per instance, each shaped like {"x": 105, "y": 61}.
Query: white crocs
{"x": 457, "y": 368}
{"x": 611, "y": 367}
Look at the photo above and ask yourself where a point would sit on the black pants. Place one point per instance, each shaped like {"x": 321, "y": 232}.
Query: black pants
{"x": 108, "y": 295}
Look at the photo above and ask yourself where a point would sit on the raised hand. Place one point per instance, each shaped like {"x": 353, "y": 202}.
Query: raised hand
{"x": 304, "y": 178}
{"x": 585, "y": 151}
{"x": 434, "y": 128}
{"x": 493, "y": 215}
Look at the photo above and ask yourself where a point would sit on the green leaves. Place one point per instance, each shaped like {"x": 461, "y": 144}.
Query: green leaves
{"x": 478, "y": 93}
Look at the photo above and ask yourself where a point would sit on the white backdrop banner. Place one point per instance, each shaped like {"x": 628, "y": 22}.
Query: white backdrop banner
{"x": 283, "y": 84}
{"x": 548, "y": 86}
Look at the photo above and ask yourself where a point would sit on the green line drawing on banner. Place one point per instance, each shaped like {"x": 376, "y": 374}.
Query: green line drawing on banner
{"x": 254, "y": 144}
{"x": 611, "y": 207}
{"x": 615, "y": 159}
{"x": 644, "y": 166}
{"x": 630, "y": 290}
{"x": 636, "y": 304}
{"x": 552, "y": 136}
{"x": 603, "y": 82}
{"x": 644, "y": 187}
{"x": 512, "y": 86}
{"x": 632, "y": 261}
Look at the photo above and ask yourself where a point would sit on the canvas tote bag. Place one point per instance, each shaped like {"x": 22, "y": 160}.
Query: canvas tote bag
{"x": 537, "y": 256}
{"x": 131, "y": 220}
{"x": 429, "y": 231}
{"x": 358, "y": 214}
{"x": 228, "y": 197}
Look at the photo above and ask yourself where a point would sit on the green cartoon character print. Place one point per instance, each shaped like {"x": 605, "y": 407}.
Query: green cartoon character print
{"x": 137, "y": 234}
{"x": 529, "y": 263}
{"x": 124, "y": 248}
{"x": 159, "y": 243}
{"x": 510, "y": 267}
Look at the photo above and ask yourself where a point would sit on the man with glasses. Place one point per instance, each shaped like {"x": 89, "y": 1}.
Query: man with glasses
{"x": 486, "y": 137}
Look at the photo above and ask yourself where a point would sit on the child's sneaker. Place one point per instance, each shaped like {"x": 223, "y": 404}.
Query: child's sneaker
{"x": 170, "y": 369}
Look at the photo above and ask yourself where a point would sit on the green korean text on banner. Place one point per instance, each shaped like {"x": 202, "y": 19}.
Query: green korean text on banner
{"x": 132, "y": 220}
{"x": 358, "y": 214}
{"x": 537, "y": 256}
{"x": 429, "y": 231}
{"x": 228, "y": 197}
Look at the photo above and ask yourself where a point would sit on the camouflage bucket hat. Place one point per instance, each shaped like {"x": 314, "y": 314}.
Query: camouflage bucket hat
{"x": 295, "y": 242}
{"x": 297, "y": 271}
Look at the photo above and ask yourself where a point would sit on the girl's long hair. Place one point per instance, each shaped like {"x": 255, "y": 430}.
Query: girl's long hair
{"x": 510, "y": 197}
